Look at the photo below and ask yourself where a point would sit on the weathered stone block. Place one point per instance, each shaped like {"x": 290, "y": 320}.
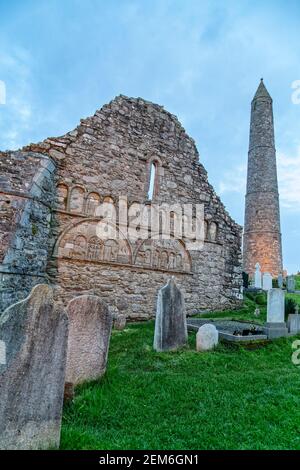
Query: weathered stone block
{"x": 90, "y": 325}
{"x": 32, "y": 379}
{"x": 170, "y": 322}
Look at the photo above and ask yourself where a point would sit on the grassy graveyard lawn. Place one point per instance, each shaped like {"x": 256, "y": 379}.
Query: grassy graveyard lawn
{"x": 231, "y": 398}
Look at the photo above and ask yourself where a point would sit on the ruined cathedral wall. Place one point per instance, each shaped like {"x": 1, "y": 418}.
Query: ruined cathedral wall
{"x": 26, "y": 196}
{"x": 109, "y": 155}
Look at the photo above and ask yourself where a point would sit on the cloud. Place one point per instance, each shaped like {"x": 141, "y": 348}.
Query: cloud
{"x": 288, "y": 169}
{"x": 17, "y": 114}
{"x": 234, "y": 181}
{"x": 289, "y": 180}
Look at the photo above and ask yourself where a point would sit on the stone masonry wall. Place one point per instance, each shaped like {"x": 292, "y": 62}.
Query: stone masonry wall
{"x": 26, "y": 194}
{"x": 109, "y": 155}
{"x": 262, "y": 233}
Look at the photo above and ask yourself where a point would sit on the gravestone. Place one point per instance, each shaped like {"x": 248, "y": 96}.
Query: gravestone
{"x": 275, "y": 326}
{"x": 119, "y": 319}
{"x": 290, "y": 283}
{"x": 207, "y": 337}
{"x": 90, "y": 323}
{"x": 170, "y": 322}
{"x": 35, "y": 333}
{"x": 267, "y": 281}
{"x": 280, "y": 281}
{"x": 257, "y": 277}
{"x": 294, "y": 321}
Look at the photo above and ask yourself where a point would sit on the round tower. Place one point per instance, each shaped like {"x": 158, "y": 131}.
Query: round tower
{"x": 262, "y": 236}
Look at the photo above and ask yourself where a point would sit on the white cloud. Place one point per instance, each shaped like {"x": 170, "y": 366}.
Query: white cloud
{"x": 234, "y": 181}
{"x": 16, "y": 115}
{"x": 289, "y": 180}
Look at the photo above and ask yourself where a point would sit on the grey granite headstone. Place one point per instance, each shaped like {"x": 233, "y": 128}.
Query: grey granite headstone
{"x": 280, "y": 281}
{"x": 90, "y": 323}
{"x": 257, "y": 277}
{"x": 170, "y": 322}
{"x": 294, "y": 323}
{"x": 275, "y": 326}
{"x": 35, "y": 333}
{"x": 267, "y": 281}
{"x": 290, "y": 283}
{"x": 207, "y": 337}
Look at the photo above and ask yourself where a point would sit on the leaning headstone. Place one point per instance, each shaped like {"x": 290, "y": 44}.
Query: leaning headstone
{"x": 35, "y": 332}
{"x": 290, "y": 283}
{"x": 257, "y": 277}
{"x": 90, "y": 323}
{"x": 280, "y": 281}
{"x": 170, "y": 322}
{"x": 267, "y": 281}
{"x": 275, "y": 326}
{"x": 207, "y": 337}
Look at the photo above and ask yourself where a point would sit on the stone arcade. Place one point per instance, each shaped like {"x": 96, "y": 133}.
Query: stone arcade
{"x": 49, "y": 195}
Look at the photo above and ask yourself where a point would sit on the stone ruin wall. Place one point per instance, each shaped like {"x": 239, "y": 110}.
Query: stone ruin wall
{"x": 108, "y": 155}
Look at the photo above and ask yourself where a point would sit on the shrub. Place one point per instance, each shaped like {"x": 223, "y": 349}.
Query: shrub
{"x": 261, "y": 299}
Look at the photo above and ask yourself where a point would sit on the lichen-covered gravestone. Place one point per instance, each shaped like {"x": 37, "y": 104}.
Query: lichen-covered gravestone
{"x": 32, "y": 377}
{"x": 170, "y": 322}
{"x": 207, "y": 337}
{"x": 275, "y": 326}
{"x": 90, "y": 323}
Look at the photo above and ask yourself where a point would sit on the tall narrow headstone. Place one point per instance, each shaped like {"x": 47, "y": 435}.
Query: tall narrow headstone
{"x": 280, "y": 281}
{"x": 35, "y": 333}
{"x": 170, "y": 322}
{"x": 267, "y": 281}
{"x": 90, "y": 323}
{"x": 257, "y": 277}
{"x": 275, "y": 326}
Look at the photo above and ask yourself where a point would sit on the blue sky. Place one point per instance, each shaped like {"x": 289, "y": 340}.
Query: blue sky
{"x": 202, "y": 60}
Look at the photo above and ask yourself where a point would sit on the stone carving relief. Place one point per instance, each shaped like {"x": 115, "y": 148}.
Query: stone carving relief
{"x": 80, "y": 242}
{"x": 169, "y": 255}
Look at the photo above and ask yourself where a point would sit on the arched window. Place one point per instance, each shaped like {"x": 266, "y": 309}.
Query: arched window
{"x": 152, "y": 191}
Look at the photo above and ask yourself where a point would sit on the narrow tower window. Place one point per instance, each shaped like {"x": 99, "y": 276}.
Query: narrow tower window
{"x": 152, "y": 181}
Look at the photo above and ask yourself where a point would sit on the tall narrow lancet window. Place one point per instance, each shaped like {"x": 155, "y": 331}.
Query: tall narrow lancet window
{"x": 152, "y": 181}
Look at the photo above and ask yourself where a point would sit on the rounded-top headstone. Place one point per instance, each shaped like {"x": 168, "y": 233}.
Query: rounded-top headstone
{"x": 207, "y": 337}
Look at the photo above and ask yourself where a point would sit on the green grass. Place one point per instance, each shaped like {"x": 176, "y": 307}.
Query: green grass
{"x": 231, "y": 398}
{"x": 246, "y": 313}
